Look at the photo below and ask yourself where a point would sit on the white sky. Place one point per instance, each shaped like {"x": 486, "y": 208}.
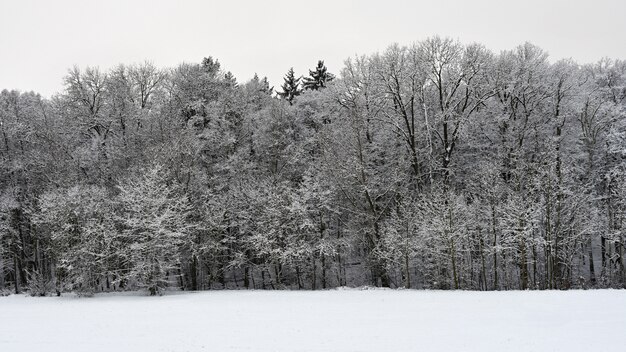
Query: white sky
{"x": 41, "y": 39}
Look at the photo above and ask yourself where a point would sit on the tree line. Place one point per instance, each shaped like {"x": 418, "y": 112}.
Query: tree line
{"x": 437, "y": 165}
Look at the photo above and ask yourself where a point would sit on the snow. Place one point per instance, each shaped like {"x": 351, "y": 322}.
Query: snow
{"x": 337, "y": 320}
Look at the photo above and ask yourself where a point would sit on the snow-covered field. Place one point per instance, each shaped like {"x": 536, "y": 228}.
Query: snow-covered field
{"x": 339, "y": 320}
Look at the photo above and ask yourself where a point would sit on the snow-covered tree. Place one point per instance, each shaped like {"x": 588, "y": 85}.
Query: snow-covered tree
{"x": 154, "y": 219}
{"x": 88, "y": 255}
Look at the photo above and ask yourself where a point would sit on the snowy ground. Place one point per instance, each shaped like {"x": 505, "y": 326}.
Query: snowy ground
{"x": 341, "y": 320}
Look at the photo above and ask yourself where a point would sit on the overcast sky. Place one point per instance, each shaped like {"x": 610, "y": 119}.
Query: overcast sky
{"x": 41, "y": 39}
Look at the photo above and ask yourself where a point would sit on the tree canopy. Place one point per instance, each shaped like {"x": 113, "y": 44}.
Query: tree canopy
{"x": 433, "y": 165}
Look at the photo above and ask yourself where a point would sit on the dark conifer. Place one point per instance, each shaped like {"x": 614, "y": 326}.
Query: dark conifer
{"x": 291, "y": 87}
{"x": 318, "y": 78}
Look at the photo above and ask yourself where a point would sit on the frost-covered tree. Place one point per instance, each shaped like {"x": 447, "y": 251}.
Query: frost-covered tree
{"x": 436, "y": 164}
{"x": 88, "y": 254}
{"x": 154, "y": 220}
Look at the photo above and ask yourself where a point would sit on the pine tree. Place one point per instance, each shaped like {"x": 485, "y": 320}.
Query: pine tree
{"x": 265, "y": 86}
{"x": 230, "y": 79}
{"x": 318, "y": 77}
{"x": 210, "y": 66}
{"x": 262, "y": 85}
{"x": 291, "y": 87}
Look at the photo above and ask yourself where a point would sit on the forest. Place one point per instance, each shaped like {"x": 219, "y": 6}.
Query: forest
{"x": 437, "y": 165}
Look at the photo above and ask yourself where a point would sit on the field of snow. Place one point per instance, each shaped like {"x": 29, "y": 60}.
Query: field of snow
{"x": 339, "y": 320}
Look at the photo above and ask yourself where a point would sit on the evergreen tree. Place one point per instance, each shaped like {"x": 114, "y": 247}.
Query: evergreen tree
{"x": 265, "y": 86}
{"x": 261, "y": 85}
{"x": 210, "y": 66}
{"x": 318, "y": 77}
{"x": 291, "y": 87}
{"x": 230, "y": 79}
